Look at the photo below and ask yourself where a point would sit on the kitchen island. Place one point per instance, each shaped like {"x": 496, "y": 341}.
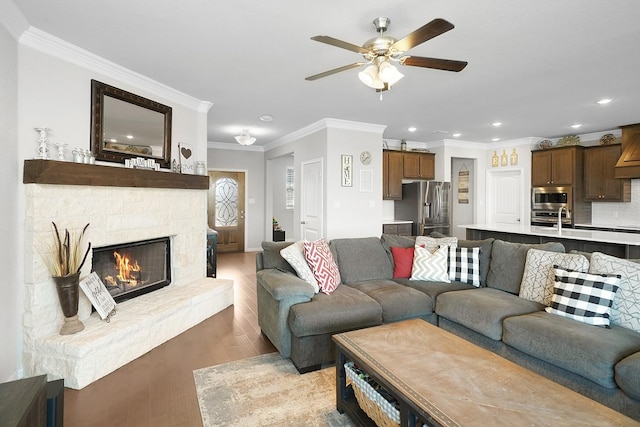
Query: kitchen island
{"x": 623, "y": 245}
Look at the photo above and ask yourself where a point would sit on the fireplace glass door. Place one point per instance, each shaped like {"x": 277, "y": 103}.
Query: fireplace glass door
{"x": 132, "y": 269}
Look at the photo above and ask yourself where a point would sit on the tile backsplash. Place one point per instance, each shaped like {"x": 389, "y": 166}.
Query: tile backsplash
{"x": 627, "y": 213}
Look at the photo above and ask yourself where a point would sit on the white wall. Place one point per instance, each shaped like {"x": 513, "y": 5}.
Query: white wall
{"x": 11, "y": 261}
{"x": 241, "y": 159}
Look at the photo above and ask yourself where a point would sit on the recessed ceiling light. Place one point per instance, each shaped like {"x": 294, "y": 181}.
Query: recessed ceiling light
{"x": 129, "y": 136}
{"x": 266, "y": 118}
{"x": 456, "y": 135}
{"x": 496, "y": 124}
{"x": 495, "y": 139}
{"x": 576, "y": 125}
{"x": 412, "y": 129}
{"x": 603, "y": 101}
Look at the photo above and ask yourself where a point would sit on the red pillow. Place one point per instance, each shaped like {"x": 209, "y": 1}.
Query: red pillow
{"x": 403, "y": 260}
{"x": 322, "y": 264}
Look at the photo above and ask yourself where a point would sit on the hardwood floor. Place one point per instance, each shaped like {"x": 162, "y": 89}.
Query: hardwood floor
{"x": 157, "y": 389}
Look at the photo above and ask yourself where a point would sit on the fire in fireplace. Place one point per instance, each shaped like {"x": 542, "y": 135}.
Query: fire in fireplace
{"x": 132, "y": 269}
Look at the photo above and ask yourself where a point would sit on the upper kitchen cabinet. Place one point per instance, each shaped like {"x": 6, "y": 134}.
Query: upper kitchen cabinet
{"x": 599, "y": 170}
{"x": 391, "y": 175}
{"x": 556, "y": 166}
{"x": 418, "y": 165}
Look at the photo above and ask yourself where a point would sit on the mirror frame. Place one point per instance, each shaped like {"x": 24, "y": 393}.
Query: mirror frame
{"x": 98, "y": 91}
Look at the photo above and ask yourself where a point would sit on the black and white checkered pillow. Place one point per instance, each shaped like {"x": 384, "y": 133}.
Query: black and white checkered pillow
{"x": 464, "y": 265}
{"x": 582, "y": 296}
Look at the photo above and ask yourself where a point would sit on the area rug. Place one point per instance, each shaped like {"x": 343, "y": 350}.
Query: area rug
{"x": 267, "y": 390}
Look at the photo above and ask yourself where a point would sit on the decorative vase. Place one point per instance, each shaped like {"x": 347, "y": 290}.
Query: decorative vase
{"x": 68, "y": 288}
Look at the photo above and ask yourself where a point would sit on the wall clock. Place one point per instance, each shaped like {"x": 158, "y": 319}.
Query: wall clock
{"x": 365, "y": 157}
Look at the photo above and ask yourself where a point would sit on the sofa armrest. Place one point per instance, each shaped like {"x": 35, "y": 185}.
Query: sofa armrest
{"x": 282, "y": 285}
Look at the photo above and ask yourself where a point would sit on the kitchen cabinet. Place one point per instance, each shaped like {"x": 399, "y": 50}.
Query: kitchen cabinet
{"x": 391, "y": 175}
{"x": 418, "y": 165}
{"x": 599, "y": 170}
{"x": 397, "y": 229}
{"x": 556, "y": 166}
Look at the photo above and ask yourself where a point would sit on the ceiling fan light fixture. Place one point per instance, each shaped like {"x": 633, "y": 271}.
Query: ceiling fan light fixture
{"x": 244, "y": 138}
{"x": 369, "y": 76}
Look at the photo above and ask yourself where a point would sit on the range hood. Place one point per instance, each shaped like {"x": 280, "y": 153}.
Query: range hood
{"x": 628, "y": 165}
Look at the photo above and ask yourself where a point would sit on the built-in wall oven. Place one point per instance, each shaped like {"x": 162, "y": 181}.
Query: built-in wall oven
{"x": 549, "y": 202}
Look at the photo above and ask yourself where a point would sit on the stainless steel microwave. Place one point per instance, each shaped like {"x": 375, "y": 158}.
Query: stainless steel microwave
{"x": 550, "y": 198}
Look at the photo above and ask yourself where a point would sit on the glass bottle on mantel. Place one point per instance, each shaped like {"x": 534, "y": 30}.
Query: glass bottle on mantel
{"x": 514, "y": 157}
{"x": 504, "y": 161}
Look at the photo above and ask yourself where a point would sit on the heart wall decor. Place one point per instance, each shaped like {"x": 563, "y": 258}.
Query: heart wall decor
{"x": 187, "y": 165}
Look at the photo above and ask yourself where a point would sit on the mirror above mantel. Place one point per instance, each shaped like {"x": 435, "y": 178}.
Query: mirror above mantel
{"x": 125, "y": 125}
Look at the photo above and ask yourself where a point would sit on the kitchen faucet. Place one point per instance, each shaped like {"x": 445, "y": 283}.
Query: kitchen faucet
{"x": 560, "y": 217}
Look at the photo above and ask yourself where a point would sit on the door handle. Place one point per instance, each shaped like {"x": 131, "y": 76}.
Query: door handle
{"x": 303, "y": 222}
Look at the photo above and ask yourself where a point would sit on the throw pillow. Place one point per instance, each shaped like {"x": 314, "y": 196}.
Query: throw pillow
{"x": 294, "y": 254}
{"x": 538, "y": 278}
{"x": 582, "y": 296}
{"x": 322, "y": 264}
{"x": 403, "y": 262}
{"x": 626, "y": 304}
{"x": 464, "y": 265}
{"x": 428, "y": 266}
{"x": 433, "y": 244}
{"x": 271, "y": 257}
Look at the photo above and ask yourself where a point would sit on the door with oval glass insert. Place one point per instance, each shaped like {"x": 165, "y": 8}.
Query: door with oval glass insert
{"x": 226, "y": 210}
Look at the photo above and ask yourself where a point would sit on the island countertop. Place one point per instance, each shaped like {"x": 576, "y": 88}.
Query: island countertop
{"x": 550, "y": 233}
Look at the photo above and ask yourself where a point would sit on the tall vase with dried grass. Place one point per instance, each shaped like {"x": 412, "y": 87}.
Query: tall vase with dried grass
{"x": 65, "y": 264}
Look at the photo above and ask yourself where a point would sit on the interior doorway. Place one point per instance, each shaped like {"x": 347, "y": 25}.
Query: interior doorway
{"x": 226, "y": 209}
{"x": 311, "y": 200}
{"x": 504, "y": 196}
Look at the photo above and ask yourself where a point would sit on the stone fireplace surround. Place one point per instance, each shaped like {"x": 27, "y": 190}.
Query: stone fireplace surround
{"x": 121, "y": 205}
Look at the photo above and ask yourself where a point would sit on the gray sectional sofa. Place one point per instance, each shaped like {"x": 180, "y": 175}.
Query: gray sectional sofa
{"x": 601, "y": 363}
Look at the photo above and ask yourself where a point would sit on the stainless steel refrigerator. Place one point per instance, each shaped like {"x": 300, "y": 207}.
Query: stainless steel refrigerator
{"x": 427, "y": 204}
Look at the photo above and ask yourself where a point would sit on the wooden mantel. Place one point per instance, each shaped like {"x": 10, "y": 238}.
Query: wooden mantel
{"x": 68, "y": 173}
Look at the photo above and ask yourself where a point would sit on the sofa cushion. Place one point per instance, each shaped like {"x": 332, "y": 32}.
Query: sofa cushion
{"x": 485, "y": 255}
{"x": 294, "y": 255}
{"x": 362, "y": 258}
{"x": 507, "y": 263}
{"x": 627, "y": 375}
{"x": 398, "y": 302}
{"x": 586, "y": 350}
{"x": 433, "y": 289}
{"x": 626, "y": 304}
{"x": 345, "y": 309}
{"x": 322, "y": 264}
{"x": 538, "y": 278}
{"x": 483, "y": 310}
{"x": 464, "y": 265}
{"x": 402, "y": 262}
{"x": 430, "y": 266}
{"x": 583, "y": 297}
{"x": 271, "y": 257}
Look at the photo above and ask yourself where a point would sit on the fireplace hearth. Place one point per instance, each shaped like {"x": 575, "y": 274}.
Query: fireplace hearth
{"x": 132, "y": 269}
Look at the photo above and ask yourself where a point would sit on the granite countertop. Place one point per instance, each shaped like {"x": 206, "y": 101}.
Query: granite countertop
{"x": 613, "y": 227}
{"x": 621, "y": 238}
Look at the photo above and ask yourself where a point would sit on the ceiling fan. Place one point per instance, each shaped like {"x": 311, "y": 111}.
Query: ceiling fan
{"x": 379, "y": 53}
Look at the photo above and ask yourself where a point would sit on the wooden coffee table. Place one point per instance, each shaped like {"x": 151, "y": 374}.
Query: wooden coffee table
{"x": 444, "y": 380}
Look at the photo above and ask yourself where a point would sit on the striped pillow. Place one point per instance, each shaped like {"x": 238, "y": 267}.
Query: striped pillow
{"x": 582, "y": 296}
{"x": 431, "y": 267}
{"x": 464, "y": 265}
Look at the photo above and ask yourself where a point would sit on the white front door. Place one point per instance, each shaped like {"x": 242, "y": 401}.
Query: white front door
{"x": 311, "y": 212}
{"x": 505, "y": 197}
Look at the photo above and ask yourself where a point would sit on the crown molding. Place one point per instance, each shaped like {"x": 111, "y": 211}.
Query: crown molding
{"x": 56, "y": 47}
{"x": 12, "y": 19}
{"x": 231, "y": 146}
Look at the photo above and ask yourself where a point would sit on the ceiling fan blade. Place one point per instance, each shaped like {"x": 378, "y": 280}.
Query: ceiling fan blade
{"x": 339, "y": 43}
{"x": 426, "y": 32}
{"x": 437, "y": 63}
{"x": 334, "y": 71}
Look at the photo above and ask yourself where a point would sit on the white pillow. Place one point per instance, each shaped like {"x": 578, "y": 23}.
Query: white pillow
{"x": 538, "y": 278}
{"x": 431, "y": 267}
{"x": 294, "y": 254}
{"x": 433, "y": 244}
{"x": 626, "y": 303}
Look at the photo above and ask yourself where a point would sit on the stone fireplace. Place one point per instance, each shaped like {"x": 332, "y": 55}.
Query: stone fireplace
{"x": 121, "y": 205}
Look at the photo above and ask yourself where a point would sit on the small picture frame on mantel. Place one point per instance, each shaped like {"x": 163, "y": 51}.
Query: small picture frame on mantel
{"x": 347, "y": 170}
